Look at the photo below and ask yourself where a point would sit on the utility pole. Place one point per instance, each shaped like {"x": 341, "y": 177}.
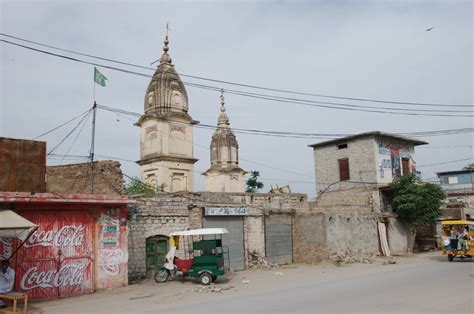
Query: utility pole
{"x": 91, "y": 153}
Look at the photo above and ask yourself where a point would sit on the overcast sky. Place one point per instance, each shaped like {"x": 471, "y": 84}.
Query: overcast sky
{"x": 376, "y": 49}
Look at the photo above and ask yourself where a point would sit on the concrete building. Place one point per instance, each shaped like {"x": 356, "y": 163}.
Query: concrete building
{"x": 225, "y": 174}
{"x": 459, "y": 188}
{"x": 166, "y": 141}
{"x": 352, "y": 177}
{"x": 362, "y": 160}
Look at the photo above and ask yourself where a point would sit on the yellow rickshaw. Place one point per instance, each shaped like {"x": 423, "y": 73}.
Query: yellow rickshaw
{"x": 457, "y": 239}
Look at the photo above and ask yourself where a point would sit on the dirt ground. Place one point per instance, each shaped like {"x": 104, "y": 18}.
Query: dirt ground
{"x": 148, "y": 295}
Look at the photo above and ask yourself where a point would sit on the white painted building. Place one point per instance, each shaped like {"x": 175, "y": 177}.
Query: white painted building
{"x": 225, "y": 174}
{"x": 166, "y": 140}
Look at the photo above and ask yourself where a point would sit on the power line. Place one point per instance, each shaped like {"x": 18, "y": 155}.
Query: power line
{"x": 68, "y": 134}
{"x": 328, "y": 105}
{"x": 297, "y": 134}
{"x": 237, "y": 84}
{"x": 77, "y": 136}
{"x": 454, "y": 146}
{"x": 446, "y": 162}
{"x": 63, "y": 124}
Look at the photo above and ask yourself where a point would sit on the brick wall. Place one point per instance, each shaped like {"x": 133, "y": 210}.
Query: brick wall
{"x": 22, "y": 165}
{"x": 77, "y": 178}
{"x": 309, "y": 238}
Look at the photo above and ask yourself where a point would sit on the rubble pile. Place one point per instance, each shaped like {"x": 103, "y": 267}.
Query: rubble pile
{"x": 257, "y": 261}
{"x": 212, "y": 288}
{"x": 349, "y": 258}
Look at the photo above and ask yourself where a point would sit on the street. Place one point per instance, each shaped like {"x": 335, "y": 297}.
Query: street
{"x": 424, "y": 283}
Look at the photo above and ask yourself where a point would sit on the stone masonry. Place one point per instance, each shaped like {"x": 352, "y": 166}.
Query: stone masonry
{"x": 77, "y": 178}
{"x": 168, "y": 212}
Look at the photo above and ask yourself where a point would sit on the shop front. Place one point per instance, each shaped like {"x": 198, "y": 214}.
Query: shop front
{"x": 80, "y": 244}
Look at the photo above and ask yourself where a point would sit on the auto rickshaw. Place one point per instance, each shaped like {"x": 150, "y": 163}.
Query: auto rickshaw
{"x": 457, "y": 239}
{"x": 203, "y": 256}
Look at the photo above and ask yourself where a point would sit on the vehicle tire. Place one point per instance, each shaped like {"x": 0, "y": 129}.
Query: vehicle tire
{"x": 205, "y": 279}
{"x": 162, "y": 275}
{"x": 214, "y": 278}
{"x": 450, "y": 257}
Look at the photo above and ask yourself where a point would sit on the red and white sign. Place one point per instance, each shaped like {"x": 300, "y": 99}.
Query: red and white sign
{"x": 56, "y": 261}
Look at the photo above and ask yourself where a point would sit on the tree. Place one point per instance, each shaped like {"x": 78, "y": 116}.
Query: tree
{"x": 416, "y": 203}
{"x": 135, "y": 187}
{"x": 253, "y": 184}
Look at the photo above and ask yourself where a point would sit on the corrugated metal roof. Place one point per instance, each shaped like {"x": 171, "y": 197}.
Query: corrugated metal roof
{"x": 25, "y": 197}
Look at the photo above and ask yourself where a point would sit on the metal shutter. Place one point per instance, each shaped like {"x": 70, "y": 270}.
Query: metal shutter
{"x": 278, "y": 239}
{"x": 234, "y": 240}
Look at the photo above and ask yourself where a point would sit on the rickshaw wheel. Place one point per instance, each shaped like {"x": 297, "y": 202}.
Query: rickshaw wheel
{"x": 450, "y": 257}
{"x": 162, "y": 275}
{"x": 205, "y": 279}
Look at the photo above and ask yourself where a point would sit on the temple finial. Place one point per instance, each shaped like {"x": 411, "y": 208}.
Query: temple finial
{"x": 165, "y": 58}
{"x": 222, "y": 100}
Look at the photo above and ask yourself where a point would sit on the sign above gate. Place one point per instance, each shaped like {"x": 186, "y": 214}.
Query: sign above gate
{"x": 226, "y": 211}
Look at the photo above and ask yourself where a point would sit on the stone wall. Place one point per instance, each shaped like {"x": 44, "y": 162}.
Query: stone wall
{"x": 309, "y": 238}
{"x": 397, "y": 234}
{"x": 167, "y": 212}
{"x": 351, "y": 234}
{"x": 77, "y": 178}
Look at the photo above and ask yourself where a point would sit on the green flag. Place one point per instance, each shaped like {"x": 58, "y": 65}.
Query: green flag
{"x": 99, "y": 78}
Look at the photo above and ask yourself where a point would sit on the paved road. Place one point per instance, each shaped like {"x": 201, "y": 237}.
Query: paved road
{"x": 434, "y": 287}
{"x": 425, "y": 283}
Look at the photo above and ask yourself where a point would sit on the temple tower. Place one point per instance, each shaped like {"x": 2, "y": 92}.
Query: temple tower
{"x": 224, "y": 175}
{"x": 166, "y": 140}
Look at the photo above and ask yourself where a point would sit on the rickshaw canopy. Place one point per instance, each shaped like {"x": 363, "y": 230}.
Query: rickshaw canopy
{"x": 196, "y": 232}
{"x": 13, "y": 225}
{"x": 457, "y": 222}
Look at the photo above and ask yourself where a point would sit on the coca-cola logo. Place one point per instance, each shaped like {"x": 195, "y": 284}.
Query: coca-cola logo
{"x": 68, "y": 275}
{"x": 66, "y": 236}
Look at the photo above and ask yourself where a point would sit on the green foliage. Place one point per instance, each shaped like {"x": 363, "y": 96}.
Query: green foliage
{"x": 253, "y": 184}
{"x": 415, "y": 202}
{"x": 136, "y": 187}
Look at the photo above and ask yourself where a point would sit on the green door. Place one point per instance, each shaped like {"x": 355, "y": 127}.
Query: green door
{"x": 156, "y": 250}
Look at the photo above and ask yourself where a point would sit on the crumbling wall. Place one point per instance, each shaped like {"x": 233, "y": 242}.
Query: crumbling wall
{"x": 167, "y": 212}
{"x": 397, "y": 234}
{"x": 351, "y": 235}
{"x": 77, "y": 178}
{"x": 309, "y": 238}
{"x": 157, "y": 216}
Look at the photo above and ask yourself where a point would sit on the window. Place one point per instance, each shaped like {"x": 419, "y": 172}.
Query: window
{"x": 343, "y": 169}
{"x": 453, "y": 180}
{"x": 342, "y": 146}
{"x": 406, "y": 166}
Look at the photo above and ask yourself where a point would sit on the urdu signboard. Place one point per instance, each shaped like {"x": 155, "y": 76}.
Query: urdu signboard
{"x": 226, "y": 211}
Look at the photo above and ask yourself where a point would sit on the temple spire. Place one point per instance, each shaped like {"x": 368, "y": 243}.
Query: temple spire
{"x": 222, "y": 101}
{"x": 223, "y": 120}
{"x": 165, "y": 58}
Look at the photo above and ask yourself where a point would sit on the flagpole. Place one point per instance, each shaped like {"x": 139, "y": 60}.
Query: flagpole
{"x": 91, "y": 153}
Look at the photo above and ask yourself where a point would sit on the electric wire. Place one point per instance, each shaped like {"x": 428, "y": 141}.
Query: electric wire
{"x": 446, "y": 162}
{"x": 234, "y": 83}
{"x": 297, "y": 134}
{"x": 77, "y": 136}
{"x": 67, "y": 135}
{"x": 61, "y": 125}
{"x": 246, "y": 94}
